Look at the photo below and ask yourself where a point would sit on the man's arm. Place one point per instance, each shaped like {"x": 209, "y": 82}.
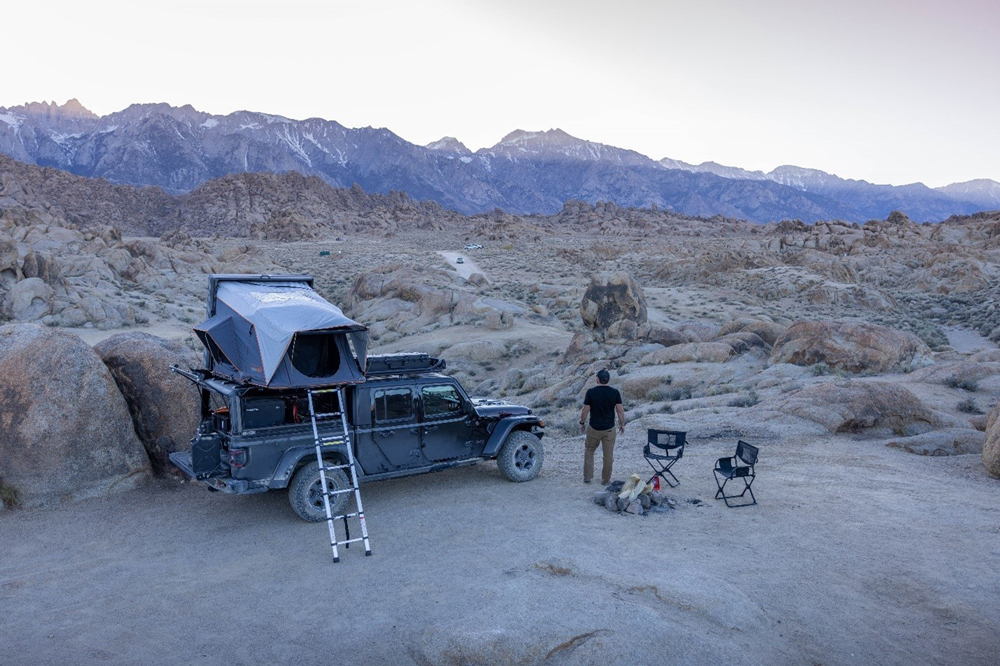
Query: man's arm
{"x": 583, "y": 417}
{"x": 621, "y": 417}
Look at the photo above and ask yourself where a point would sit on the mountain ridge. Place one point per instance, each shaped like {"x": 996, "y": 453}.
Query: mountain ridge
{"x": 178, "y": 148}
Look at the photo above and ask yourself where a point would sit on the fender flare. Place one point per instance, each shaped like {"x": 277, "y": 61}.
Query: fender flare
{"x": 504, "y": 427}
{"x": 290, "y": 462}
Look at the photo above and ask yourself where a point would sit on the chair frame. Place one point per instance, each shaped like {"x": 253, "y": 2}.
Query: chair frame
{"x": 727, "y": 469}
{"x": 661, "y": 463}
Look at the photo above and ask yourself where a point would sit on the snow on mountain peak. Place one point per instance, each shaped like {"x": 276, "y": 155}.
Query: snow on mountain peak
{"x": 448, "y": 144}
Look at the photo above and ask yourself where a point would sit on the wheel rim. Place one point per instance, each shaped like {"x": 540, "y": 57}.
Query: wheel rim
{"x": 524, "y": 457}
{"x": 315, "y": 498}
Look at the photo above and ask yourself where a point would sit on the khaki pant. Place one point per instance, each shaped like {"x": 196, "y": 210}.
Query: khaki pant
{"x": 606, "y": 440}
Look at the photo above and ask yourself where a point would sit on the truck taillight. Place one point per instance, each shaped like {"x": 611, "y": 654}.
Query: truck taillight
{"x": 237, "y": 457}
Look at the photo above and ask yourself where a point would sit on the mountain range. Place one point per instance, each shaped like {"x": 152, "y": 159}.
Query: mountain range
{"x": 179, "y": 148}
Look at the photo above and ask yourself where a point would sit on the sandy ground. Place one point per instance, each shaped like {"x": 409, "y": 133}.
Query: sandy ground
{"x": 967, "y": 341}
{"x": 856, "y": 554}
{"x": 466, "y": 268}
{"x": 169, "y": 330}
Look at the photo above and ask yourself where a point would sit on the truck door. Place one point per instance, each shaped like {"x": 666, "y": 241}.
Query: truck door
{"x": 445, "y": 428}
{"x": 394, "y": 427}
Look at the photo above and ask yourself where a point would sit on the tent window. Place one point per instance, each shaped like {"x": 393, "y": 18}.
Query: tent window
{"x": 316, "y": 354}
{"x": 213, "y": 348}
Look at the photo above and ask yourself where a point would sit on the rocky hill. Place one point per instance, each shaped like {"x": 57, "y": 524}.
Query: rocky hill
{"x": 177, "y": 149}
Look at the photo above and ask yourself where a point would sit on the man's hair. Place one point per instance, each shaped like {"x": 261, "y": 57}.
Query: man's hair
{"x": 603, "y": 376}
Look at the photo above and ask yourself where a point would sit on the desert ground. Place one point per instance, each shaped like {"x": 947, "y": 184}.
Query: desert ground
{"x": 876, "y": 538}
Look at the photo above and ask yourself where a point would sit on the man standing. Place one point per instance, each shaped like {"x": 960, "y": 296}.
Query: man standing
{"x": 601, "y": 403}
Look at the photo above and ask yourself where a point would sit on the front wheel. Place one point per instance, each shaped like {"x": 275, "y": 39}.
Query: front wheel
{"x": 520, "y": 457}
{"x": 305, "y": 495}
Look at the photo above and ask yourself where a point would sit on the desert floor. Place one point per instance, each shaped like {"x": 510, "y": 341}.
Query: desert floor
{"x": 857, "y": 553}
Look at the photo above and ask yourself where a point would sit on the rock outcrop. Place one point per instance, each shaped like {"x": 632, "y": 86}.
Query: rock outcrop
{"x": 944, "y": 442}
{"x": 991, "y": 449}
{"x": 768, "y": 331}
{"x": 877, "y": 408}
{"x": 851, "y": 346}
{"x": 67, "y": 433}
{"x": 690, "y": 352}
{"x": 164, "y": 406}
{"x": 611, "y": 299}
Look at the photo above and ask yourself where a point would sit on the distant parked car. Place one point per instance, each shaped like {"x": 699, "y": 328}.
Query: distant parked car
{"x": 460, "y": 260}
{"x": 473, "y": 246}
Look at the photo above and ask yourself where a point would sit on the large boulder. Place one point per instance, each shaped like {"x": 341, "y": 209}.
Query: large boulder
{"x": 991, "y": 449}
{"x": 876, "y": 408}
{"x": 612, "y": 298}
{"x": 67, "y": 433}
{"x": 768, "y": 331}
{"x": 851, "y": 346}
{"x": 28, "y": 300}
{"x": 164, "y": 406}
{"x": 662, "y": 335}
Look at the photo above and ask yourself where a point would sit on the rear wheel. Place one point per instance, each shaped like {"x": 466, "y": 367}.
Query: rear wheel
{"x": 520, "y": 457}
{"x": 306, "y": 497}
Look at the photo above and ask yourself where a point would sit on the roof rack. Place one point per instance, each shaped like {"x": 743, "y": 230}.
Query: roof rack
{"x": 403, "y": 364}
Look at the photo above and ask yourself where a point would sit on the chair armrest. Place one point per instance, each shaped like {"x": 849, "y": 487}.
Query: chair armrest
{"x": 726, "y": 463}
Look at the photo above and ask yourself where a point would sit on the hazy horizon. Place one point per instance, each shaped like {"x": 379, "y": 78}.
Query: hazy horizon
{"x": 864, "y": 90}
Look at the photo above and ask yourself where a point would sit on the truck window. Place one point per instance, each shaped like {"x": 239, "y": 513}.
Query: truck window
{"x": 441, "y": 401}
{"x": 393, "y": 405}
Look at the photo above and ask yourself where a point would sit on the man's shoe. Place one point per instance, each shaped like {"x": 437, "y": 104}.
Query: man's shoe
{"x": 587, "y": 480}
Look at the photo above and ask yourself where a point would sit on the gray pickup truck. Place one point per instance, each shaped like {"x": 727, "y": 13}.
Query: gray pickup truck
{"x": 406, "y": 418}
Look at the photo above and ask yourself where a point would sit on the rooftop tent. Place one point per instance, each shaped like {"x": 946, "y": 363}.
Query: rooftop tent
{"x": 280, "y": 334}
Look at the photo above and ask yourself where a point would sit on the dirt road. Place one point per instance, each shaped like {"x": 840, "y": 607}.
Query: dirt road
{"x": 856, "y": 554}
{"x": 466, "y": 268}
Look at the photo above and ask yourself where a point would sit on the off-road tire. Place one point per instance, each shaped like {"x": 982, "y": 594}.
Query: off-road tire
{"x": 520, "y": 458}
{"x": 304, "y": 495}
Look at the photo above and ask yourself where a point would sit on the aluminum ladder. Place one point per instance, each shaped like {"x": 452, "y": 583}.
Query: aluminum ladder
{"x": 344, "y": 437}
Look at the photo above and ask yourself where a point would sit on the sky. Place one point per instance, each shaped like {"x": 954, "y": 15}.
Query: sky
{"x": 888, "y": 91}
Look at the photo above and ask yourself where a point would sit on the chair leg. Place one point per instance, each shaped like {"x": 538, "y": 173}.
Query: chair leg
{"x": 721, "y": 493}
{"x": 676, "y": 482}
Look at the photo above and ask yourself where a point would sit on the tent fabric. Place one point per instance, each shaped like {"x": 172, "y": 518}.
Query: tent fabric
{"x": 255, "y": 326}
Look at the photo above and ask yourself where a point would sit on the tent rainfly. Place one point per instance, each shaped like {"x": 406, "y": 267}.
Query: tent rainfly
{"x": 280, "y": 334}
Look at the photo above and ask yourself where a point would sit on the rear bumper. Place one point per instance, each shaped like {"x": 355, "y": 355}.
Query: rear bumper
{"x": 182, "y": 460}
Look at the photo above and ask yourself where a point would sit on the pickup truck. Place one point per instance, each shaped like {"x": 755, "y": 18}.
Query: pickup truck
{"x": 406, "y": 418}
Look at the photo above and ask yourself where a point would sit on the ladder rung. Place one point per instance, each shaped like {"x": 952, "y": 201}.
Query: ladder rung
{"x": 327, "y": 415}
{"x": 347, "y": 515}
{"x": 341, "y": 543}
{"x": 329, "y": 390}
{"x": 339, "y": 492}
{"x": 333, "y": 467}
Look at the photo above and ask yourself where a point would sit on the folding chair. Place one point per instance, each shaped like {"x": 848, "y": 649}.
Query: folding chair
{"x": 663, "y": 449}
{"x": 727, "y": 469}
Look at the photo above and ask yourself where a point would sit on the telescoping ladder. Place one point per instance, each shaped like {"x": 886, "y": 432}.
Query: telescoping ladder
{"x": 325, "y": 466}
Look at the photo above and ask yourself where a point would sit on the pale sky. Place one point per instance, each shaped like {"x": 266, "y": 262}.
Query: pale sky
{"x": 889, "y": 91}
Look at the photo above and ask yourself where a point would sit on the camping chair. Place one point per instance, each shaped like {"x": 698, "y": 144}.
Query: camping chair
{"x": 663, "y": 449}
{"x": 727, "y": 469}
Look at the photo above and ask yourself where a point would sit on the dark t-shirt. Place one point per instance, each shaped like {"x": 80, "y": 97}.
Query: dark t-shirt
{"x": 602, "y": 401}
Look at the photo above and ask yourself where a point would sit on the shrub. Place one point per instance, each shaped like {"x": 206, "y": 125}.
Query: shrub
{"x": 969, "y": 406}
{"x": 820, "y": 369}
{"x": 9, "y": 496}
{"x": 749, "y": 399}
{"x": 970, "y": 385}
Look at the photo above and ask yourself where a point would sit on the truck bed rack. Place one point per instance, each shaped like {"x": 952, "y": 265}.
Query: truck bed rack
{"x": 403, "y": 364}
